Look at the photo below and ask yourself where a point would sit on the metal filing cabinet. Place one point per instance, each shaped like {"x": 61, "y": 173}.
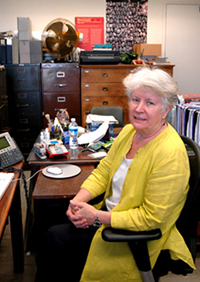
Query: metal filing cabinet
{"x": 25, "y": 103}
{"x": 4, "y": 123}
{"x": 61, "y": 89}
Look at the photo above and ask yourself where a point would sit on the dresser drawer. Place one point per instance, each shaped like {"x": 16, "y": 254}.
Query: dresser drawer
{"x": 103, "y": 89}
{"x": 60, "y": 78}
{"x": 103, "y": 75}
{"x": 90, "y": 102}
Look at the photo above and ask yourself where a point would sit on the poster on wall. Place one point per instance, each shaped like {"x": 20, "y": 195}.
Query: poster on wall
{"x": 92, "y": 29}
{"x": 126, "y": 24}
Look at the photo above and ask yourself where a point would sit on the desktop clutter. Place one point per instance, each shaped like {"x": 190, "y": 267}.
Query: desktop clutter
{"x": 62, "y": 136}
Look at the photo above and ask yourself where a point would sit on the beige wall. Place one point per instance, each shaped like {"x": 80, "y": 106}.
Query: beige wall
{"x": 157, "y": 17}
{"x": 41, "y": 12}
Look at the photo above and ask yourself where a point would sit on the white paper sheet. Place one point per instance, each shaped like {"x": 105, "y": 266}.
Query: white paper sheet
{"x": 94, "y": 136}
{"x": 100, "y": 119}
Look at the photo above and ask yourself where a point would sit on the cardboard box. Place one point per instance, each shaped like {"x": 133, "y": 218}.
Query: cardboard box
{"x": 149, "y": 49}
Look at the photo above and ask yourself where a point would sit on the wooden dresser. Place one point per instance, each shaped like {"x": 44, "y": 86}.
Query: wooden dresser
{"x": 101, "y": 85}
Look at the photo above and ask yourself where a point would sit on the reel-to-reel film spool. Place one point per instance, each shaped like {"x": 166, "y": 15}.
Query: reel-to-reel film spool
{"x": 60, "y": 38}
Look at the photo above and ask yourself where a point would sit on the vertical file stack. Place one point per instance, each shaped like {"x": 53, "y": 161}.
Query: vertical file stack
{"x": 24, "y": 36}
{"x": 24, "y": 49}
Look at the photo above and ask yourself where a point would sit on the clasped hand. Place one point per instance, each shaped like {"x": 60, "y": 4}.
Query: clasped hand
{"x": 81, "y": 214}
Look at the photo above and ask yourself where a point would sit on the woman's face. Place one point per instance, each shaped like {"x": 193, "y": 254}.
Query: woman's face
{"x": 146, "y": 111}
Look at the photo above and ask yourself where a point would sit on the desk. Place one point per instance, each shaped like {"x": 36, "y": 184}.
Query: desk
{"x": 11, "y": 204}
{"x": 39, "y": 191}
{"x": 51, "y": 198}
{"x": 51, "y": 188}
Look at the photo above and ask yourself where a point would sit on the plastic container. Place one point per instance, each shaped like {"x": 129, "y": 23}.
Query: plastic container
{"x": 73, "y": 139}
{"x": 46, "y": 134}
{"x": 41, "y": 137}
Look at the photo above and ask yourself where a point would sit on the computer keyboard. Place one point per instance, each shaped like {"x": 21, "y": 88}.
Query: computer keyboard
{"x": 5, "y": 179}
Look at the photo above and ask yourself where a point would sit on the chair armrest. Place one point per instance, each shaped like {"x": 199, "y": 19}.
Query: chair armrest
{"x": 110, "y": 234}
{"x": 137, "y": 242}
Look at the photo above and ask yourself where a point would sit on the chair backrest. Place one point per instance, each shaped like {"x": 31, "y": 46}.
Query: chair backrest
{"x": 188, "y": 219}
{"x": 115, "y": 111}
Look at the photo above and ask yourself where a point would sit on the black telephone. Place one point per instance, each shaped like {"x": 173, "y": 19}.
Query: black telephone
{"x": 10, "y": 154}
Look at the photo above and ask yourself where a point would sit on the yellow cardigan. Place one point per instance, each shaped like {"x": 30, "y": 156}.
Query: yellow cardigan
{"x": 153, "y": 196}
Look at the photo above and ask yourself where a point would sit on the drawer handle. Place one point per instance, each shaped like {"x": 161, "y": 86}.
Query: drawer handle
{"x": 87, "y": 85}
{"x": 105, "y": 102}
{"x": 18, "y": 80}
{"x": 20, "y": 70}
{"x": 87, "y": 100}
{"x": 60, "y": 74}
{"x": 132, "y": 70}
{"x": 22, "y": 105}
{"x": 61, "y": 99}
{"x": 87, "y": 71}
{"x": 59, "y": 85}
{"x": 23, "y": 120}
{"x": 23, "y": 130}
{"x": 104, "y": 74}
{"x": 22, "y": 95}
{"x": 25, "y": 145}
{"x": 105, "y": 89}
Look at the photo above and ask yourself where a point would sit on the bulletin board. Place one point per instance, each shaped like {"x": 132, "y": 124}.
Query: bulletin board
{"x": 92, "y": 29}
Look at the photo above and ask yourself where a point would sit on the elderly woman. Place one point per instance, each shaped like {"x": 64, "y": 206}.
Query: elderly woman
{"x": 145, "y": 180}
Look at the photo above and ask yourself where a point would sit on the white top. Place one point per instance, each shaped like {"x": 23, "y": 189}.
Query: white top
{"x": 117, "y": 184}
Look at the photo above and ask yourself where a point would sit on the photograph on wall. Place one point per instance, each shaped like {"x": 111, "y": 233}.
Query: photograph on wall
{"x": 126, "y": 24}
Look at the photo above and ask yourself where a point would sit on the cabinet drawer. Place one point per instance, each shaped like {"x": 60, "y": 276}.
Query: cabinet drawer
{"x": 3, "y": 90}
{"x": 23, "y": 77}
{"x": 89, "y": 102}
{"x": 55, "y": 101}
{"x": 103, "y": 89}
{"x": 28, "y": 103}
{"x": 103, "y": 75}
{"x": 27, "y": 127}
{"x": 60, "y": 79}
{"x": 25, "y": 144}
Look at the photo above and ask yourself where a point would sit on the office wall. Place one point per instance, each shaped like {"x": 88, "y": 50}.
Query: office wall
{"x": 41, "y": 12}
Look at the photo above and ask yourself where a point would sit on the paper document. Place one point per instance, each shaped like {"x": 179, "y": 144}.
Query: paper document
{"x": 100, "y": 119}
{"x": 94, "y": 136}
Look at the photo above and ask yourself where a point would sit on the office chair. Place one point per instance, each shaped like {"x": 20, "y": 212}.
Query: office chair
{"x": 115, "y": 111}
{"x": 186, "y": 224}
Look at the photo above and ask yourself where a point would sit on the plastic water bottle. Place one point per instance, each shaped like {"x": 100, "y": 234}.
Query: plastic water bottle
{"x": 73, "y": 139}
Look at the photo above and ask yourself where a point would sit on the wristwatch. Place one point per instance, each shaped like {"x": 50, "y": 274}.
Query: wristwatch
{"x": 97, "y": 222}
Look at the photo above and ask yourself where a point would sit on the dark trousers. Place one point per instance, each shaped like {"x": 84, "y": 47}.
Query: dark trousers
{"x": 63, "y": 253}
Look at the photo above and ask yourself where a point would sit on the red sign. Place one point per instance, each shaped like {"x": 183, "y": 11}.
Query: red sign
{"x": 92, "y": 29}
